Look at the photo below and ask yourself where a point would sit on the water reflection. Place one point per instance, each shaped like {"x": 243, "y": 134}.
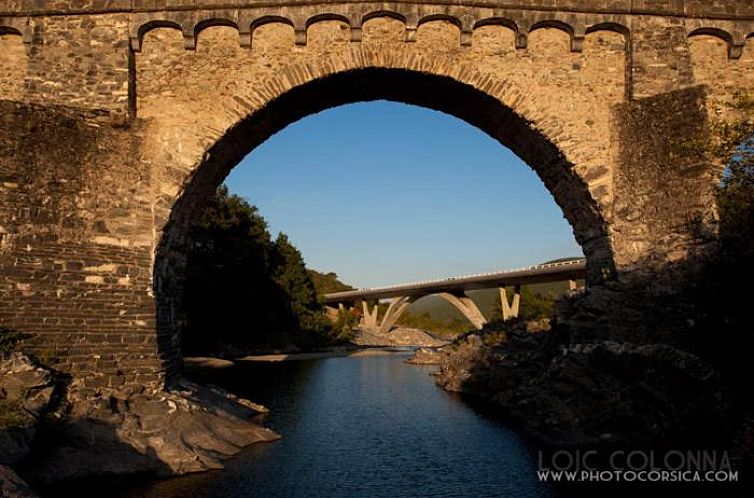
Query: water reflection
{"x": 361, "y": 427}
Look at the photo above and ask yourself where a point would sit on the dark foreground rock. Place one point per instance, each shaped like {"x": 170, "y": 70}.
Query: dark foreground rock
{"x": 26, "y": 391}
{"x": 12, "y": 486}
{"x": 602, "y": 392}
{"x": 54, "y": 433}
{"x": 188, "y": 429}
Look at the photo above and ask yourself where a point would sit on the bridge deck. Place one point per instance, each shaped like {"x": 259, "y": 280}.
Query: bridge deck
{"x": 550, "y": 272}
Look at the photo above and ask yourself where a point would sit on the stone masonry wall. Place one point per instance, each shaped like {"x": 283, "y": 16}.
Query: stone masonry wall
{"x": 118, "y": 117}
{"x": 75, "y": 245}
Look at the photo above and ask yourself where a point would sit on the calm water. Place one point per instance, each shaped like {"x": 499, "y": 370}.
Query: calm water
{"x": 362, "y": 427}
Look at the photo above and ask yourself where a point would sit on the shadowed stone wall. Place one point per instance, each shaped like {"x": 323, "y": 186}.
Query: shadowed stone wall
{"x": 119, "y": 118}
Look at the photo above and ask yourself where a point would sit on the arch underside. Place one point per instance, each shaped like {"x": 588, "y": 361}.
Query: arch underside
{"x": 441, "y": 93}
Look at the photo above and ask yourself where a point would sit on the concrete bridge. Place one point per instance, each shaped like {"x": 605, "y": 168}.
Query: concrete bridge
{"x": 119, "y": 118}
{"x": 454, "y": 290}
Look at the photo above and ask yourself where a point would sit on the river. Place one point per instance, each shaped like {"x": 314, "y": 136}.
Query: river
{"x": 369, "y": 426}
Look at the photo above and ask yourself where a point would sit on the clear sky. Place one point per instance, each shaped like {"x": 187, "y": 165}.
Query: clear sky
{"x": 383, "y": 193}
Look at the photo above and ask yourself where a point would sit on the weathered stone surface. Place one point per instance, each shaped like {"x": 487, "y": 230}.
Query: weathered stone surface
{"x": 118, "y": 120}
{"x": 12, "y": 486}
{"x": 563, "y": 393}
{"x": 399, "y": 336}
{"x": 188, "y": 429}
{"x": 26, "y": 391}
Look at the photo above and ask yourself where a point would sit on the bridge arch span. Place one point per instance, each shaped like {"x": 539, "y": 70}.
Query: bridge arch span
{"x": 498, "y": 108}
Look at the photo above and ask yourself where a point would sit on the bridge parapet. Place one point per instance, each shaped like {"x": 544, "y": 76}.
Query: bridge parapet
{"x": 729, "y": 9}
{"x": 549, "y": 272}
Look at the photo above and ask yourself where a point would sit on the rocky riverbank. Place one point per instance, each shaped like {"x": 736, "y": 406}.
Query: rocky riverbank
{"x": 51, "y": 432}
{"x": 569, "y": 388}
{"x": 400, "y": 336}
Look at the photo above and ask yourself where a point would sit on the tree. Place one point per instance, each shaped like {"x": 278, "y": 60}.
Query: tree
{"x": 327, "y": 283}
{"x": 229, "y": 294}
{"x": 291, "y": 275}
{"x": 735, "y": 197}
{"x": 242, "y": 289}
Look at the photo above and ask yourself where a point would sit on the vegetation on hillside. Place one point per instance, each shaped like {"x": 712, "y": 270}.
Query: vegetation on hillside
{"x": 244, "y": 290}
{"x": 327, "y": 283}
{"x": 441, "y": 327}
{"x": 725, "y": 332}
{"x": 536, "y": 302}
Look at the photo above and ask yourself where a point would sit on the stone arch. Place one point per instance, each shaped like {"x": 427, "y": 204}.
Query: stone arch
{"x": 266, "y": 21}
{"x": 14, "y": 62}
{"x": 470, "y": 96}
{"x": 497, "y": 21}
{"x": 213, "y": 22}
{"x": 138, "y": 40}
{"x": 610, "y": 26}
{"x": 496, "y": 36}
{"x": 709, "y": 61}
{"x": 383, "y": 13}
{"x": 328, "y": 17}
{"x": 384, "y": 26}
{"x": 734, "y": 51}
{"x": 561, "y": 26}
{"x": 9, "y": 30}
{"x": 440, "y": 17}
{"x": 440, "y": 31}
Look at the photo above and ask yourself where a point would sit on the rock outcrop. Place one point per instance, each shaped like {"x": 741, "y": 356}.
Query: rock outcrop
{"x": 401, "y": 336}
{"x": 599, "y": 393}
{"x": 12, "y": 486}
{"x": 190, "y": 428}
{"x": 26, "y": 391}
{"x": 60, "y": 432}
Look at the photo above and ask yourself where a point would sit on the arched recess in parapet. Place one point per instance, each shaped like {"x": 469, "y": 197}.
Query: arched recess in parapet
{"x": 439, "y": 17}
{"x": 327, "y": 17}
{"x": 8, "y": 30}
{"x": 552, "y": 23}
{"x": 211, "y": 23}
{"x": 267, "y": 21}
{"x": 383, "y": 13}
{"x": 734, "y": 51}
{"x": 300, "y": 92}
{"x": 576, "y": 42}
{"x": 14, "y": 61}
{"x": 610, "y": 26}
{"x": 138, "y": 40}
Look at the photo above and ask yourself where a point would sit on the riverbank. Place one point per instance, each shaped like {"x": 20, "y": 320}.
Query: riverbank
{"x": 53, "y": 431}
{"x": 205, "y": 362}
{"x": 363, "y": 425}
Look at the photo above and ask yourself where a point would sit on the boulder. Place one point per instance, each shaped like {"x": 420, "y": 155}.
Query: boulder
{"x": 12, "y": 486}
{"x": 189, "y": 428}
{"x": 26, "y": 391}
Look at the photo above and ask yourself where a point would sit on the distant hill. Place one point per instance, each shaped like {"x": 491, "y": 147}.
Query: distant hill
{"x": 326, "y": 283}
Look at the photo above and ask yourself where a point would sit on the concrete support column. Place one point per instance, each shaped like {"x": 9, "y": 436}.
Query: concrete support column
{"x": 466, "y": 306}
{"x": 394, "y": 311}
{"x": 369, "y": 320}
{"x": 510, "y": 310}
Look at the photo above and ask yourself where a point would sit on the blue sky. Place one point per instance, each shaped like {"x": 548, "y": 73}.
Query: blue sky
{"x": 384, "y": 193}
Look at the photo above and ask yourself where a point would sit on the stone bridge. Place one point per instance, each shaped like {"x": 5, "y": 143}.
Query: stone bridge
{"x": 119, "y": 118}
{"x": 453, "y": 290}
